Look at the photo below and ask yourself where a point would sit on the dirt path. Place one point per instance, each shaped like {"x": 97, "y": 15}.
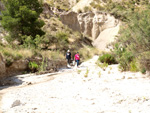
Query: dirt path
{"x": 88, "y": 89}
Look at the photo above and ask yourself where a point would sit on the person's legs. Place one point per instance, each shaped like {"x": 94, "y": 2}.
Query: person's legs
{"x": 77, "y": 63}
{"x": 68, "y": 62}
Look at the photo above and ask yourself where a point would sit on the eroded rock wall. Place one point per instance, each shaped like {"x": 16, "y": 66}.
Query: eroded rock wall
{"x": 70, "y": 19}
{"x": 90, "y": 23}
{"x": 2, "y": 67}
{"x": 21, "y": 66}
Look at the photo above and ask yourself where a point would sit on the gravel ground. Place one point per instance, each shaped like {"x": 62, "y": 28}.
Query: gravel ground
{"x": 87, "y": 89}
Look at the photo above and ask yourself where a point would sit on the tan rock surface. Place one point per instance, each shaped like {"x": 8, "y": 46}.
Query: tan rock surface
{"x": 94, "y": 25}
{"x": 2, "y": 66}
{"x": 70, "y": 19}
{"x": 106, "y": 37}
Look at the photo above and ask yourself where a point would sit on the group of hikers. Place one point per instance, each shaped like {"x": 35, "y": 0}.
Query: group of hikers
{"x": 76, "y": 58}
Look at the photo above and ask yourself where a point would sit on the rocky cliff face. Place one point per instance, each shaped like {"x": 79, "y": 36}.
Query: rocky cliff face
{"x": 2, "y": 66}
{"x": 70, "y": 19}
{"x": 90, "y": 24}
{"x": 98, "y": 26}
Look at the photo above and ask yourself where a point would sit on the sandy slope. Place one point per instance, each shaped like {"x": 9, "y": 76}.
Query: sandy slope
{"x": 108, "y": 91}
{"x": 106, "y": 37}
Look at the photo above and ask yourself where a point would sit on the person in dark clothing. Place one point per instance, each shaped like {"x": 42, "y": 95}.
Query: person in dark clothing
{"x": 68, "y": 57}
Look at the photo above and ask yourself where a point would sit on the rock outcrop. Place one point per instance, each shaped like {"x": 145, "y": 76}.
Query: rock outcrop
{"x": 70, "y": 19}
{"x": 106, "y": 37}
{"x": 3, "y": 40}
{"x": 17, "y": 67}
{"x": 2, "y": 67}
{"x": 90, "y": 24}
{"x": 47, "y": 10}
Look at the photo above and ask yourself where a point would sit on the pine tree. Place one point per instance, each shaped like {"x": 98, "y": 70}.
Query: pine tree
{"x": 21, "y": 18}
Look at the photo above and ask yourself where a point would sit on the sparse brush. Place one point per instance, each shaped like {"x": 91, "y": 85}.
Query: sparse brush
{"x": 86, "y": 73}
{"x": 87, "y": 9}
{"x": 88, "y": 52}
{"x": 107, "y": 58}
{"x": 102, "y": 65}
{"x": 33, "y": 66}
{"x": 110, "y": 68}
{"x": 78, "y": 71}
{"x": 99, "y": 74}
{"x": 109, "y": 72}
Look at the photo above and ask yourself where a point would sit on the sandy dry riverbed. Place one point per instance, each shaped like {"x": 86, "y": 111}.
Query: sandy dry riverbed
{"x": 88, "y": 89}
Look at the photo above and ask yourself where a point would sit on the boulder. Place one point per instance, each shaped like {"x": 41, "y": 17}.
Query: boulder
{"x": 3, "y": 40}
{"x": 17, "y": 67}
{"x": 47, "y": 9}
{"x": 70, "y": 19}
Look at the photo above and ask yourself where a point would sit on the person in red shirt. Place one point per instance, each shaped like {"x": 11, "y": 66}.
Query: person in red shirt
{"x": 77, "y": 58}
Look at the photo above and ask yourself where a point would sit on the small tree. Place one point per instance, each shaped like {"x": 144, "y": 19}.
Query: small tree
{"x": 21, "y": 17}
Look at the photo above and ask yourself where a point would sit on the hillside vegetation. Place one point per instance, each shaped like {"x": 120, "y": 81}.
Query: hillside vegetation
{"x": 131, "y": 48}
{"x": 31, "y": 33}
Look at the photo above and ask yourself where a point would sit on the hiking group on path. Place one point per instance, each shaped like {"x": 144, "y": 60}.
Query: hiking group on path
{"x": 75, "y": 61}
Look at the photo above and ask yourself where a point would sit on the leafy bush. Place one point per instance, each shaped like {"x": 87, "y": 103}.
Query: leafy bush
{"x": 61, "y": 39}
{"x": 107, "y": 58}
{"x": 125, "y": 60}
{"x": 143, "y": 71}
{"x": 133, "y": 66}
{"x": 30, "y": 42}
{"x": 33, "y": 66}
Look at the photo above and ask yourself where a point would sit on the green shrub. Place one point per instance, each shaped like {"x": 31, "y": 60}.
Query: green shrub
{"x": 86, "y": 73}
{"x": 87, "y": 8}
{"x": 143, "y": 71}
{"x": 33, "y": 66}
{"x": 107, "y": 58}
{"x": 18, "y": 56}
{"x": 30, "y": 42}
{"x": 103, "y": 65}
{"x": 125, "y": 60}
{"x": 9, "y": 61}
{"x": 43, "y": 65}
{"x": 133, "y": 66}
{"x": 61, "y": 39}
